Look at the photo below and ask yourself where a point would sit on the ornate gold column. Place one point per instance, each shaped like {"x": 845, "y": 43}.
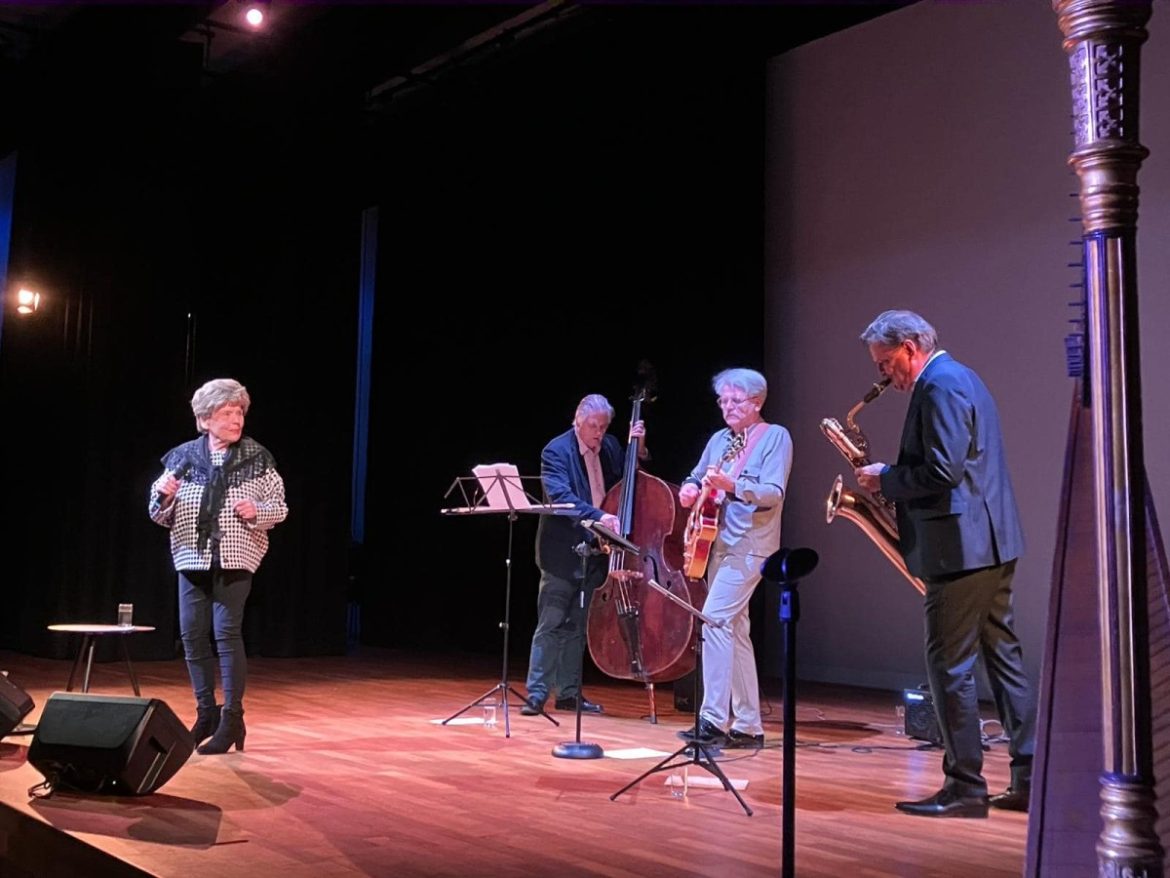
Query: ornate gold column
{"x": 1103, "y": 39}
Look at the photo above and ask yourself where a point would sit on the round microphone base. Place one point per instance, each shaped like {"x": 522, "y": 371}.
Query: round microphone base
{"x": 578, "y": 750}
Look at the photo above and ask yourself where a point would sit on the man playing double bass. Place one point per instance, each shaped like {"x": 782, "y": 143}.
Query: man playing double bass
{"x": 576, "y": 467}
{"x": 747, "y": 465}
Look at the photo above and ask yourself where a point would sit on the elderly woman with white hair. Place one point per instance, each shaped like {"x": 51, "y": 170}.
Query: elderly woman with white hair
{"x": 219, "y": 494}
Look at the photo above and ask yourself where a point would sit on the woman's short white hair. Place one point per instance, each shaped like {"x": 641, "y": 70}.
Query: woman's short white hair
{"x": 214, "y": 395}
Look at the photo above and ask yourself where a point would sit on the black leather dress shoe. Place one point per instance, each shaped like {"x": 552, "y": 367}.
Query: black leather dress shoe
{"x": 945, "y": 803}
{"x": 1012, "y": 799}
{"x": 533, "y": 706}
{"x": 709, "y": 734}
{"x": 744, "y": 741}
{"x": 570, "y": 703}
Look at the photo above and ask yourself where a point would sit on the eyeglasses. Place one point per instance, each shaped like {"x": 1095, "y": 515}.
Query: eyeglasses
{"x": 731, "y": 402}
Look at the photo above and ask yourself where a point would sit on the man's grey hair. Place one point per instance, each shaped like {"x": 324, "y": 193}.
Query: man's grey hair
{"x": 751, "y": 382}
{"x": 214, "y": 395}
{"x": 891, "y": 328}
{"x": 593, "y": 404}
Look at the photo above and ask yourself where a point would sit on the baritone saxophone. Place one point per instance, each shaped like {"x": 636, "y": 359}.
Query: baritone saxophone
{"x": 873, "y": 513}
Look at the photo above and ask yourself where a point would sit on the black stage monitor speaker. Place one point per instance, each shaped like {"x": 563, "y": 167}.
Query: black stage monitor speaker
{"x": 108, "y": 744}
{"x": 921, "y": 720}
{"x": 684, "y": 693}
{"x": 15, "y": 705}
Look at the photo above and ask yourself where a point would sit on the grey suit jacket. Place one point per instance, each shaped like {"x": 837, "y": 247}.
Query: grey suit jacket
{"x": 956, "y": 508}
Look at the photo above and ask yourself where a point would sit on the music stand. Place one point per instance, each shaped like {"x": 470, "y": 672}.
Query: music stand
{"x": 699, "y": 755}
{"x": 498, "y": 489}
{"x": 785, "y": 568}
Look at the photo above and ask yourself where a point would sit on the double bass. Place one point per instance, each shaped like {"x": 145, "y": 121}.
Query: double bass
{"x": 634, "y": 631}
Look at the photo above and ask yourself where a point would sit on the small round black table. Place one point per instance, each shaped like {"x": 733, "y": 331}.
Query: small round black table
{"x": 89, "y": 635}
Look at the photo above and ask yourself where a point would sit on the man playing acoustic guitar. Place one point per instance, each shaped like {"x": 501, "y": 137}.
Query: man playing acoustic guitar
{"x": 745, "y": 469}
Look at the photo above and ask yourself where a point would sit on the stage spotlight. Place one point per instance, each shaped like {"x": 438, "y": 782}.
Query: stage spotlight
{"x": 256, "y": 13}
{"x": 27, "y": 301}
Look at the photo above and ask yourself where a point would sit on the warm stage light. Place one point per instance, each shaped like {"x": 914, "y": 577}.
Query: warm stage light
{"x": 254, "y": 15}
{"x": 27, "y": 301}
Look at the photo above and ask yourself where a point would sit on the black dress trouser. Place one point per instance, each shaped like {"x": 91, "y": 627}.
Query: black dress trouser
{"x": 968, "y": 616}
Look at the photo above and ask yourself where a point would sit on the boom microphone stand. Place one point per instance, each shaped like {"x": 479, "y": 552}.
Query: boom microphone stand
{"x": 786, "y": 568}
{"x": 694, "y": 753}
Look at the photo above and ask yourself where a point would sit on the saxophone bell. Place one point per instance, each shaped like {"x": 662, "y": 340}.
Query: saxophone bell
{"x": 874, "y": 521}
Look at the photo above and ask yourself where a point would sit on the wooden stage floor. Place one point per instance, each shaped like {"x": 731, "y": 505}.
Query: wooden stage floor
{"x": 347, "y": 773}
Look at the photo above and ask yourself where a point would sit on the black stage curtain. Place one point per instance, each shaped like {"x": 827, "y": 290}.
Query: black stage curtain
{"x": 552, "y": 220}
{"x": 547, "y": 221}
{"x": 143, "y": 199}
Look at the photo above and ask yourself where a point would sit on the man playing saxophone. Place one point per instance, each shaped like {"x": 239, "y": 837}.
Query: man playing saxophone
{"x": 959, "y": 531}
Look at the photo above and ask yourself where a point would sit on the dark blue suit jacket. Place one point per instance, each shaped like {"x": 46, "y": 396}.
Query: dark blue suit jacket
{"x": 562, "y": 471}
{"x": 956, "y": 509}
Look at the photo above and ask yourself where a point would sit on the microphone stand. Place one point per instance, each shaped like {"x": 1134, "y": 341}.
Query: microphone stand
{"x": 789, "y": 616}
{"x": 785, "y": 568}
{"x": 693, "y": 753}
{"x": 578, "y": 749}
{"x": 698, "y": 754}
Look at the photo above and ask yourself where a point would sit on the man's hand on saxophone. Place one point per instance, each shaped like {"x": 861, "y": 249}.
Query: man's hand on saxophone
{"x": 869, "y": 477}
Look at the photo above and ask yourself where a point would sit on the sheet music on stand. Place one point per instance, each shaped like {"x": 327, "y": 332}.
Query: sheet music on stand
{"x": 496, "y": 488}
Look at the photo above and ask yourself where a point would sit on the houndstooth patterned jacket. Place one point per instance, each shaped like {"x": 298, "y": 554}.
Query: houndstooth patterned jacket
{"x": 252, "y": 476}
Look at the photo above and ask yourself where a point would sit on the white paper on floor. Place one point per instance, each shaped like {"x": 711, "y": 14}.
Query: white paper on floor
{"x": 705, "y": 780}
{"x": 636, "y": 753}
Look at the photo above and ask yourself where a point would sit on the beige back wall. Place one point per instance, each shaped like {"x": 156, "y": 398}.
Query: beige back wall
{"x": 919, "y": 161}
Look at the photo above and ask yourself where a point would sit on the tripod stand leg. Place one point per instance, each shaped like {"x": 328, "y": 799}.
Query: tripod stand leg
{"x": 661, "y": 766}
{"x": 500, "y": 690}
{"x": 543, "y": 712}
{"x": 491, "y": 692}
{"x": 706, "y": 762}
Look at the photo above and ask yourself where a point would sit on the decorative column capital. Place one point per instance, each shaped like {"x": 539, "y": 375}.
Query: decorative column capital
{"x": 1103, "y": 39}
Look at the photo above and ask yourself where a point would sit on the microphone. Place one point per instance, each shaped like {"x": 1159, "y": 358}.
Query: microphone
{"x": 180, "y": 474}
{"x": 611, "y": 535}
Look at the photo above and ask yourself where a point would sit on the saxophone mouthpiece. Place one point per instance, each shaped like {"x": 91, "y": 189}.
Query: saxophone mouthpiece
{"x": 877, "y": 390}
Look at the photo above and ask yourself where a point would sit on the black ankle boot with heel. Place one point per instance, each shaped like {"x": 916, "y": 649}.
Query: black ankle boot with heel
{"x": 231, "y": 732}
{"x": 205, "y": 724}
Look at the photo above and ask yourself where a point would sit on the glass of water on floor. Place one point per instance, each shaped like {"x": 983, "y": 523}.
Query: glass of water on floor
{"x": 489, "y": 713}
